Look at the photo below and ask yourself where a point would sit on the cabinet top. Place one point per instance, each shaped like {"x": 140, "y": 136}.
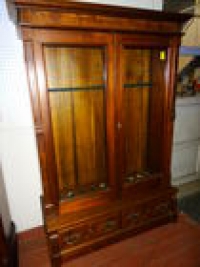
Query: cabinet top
{"x": 93, "y": 13}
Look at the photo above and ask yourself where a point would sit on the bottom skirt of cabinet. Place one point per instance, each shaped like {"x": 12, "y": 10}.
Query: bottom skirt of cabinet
{"x": 108, "y": 227}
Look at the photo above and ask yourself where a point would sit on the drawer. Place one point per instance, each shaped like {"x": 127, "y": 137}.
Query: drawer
{"x": 147, "y": 212}
{"x": 133, "y": 217}
{"x": 105, "y": 225}
{"x": 73, "y": 236}
{"x": 88, "y": 231}
{"x": 163, "y": 208}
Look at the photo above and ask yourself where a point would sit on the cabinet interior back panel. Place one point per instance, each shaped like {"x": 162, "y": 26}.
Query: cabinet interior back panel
{"x": 136, "y": 104}
{"x": 156, "y": 111}
{"x": 144, "y": 71}
{"x": 76, "y": 93}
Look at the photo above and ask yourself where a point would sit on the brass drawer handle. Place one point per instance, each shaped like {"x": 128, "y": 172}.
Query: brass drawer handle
{"x": 71, "y": 239}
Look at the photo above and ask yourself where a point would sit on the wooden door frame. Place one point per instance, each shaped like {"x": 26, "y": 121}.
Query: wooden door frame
{"x": 34, "y": 40}
{"x": 170, "y": 43}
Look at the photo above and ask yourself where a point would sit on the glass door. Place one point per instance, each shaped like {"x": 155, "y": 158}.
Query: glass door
{"x": 142, "y": 94}
{"x": 79, "y": 93}
{"x": 76, "y": 88}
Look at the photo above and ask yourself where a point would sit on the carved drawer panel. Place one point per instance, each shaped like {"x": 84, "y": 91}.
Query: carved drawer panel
{"x": 132, "y": 217}
{"x": 159, "y": 209}
{"x": 73, "y": 236}
{"x": 147, "y": 213}
{"x": 88, "y": 231}
{"x": 106, "y": 225}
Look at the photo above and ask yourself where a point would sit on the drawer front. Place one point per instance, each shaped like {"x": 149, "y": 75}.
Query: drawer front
{"x": 146, "y": 213}
{"x": 163, "y": 208}
{"x": 133, "y": 217}
{"x": 88, "y": 231}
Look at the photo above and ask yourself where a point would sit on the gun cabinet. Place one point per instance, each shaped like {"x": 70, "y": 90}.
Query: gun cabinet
{"x": 101, "y": 82}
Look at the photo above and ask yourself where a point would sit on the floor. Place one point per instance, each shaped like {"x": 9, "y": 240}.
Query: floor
{"x": 189, "y": 188}
{"x": 191, "y": 206}
{"x": 172, "y": 245}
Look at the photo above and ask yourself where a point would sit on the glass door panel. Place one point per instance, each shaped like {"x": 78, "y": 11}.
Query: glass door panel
{"x": 76, "y": 87}
{"x": 143, "y": 90}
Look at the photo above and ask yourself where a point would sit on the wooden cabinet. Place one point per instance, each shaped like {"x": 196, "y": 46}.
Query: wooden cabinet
{"x": 101, "y": 82}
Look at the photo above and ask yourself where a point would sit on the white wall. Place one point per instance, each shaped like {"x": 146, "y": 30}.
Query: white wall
{"x": 151, "y": 4}
{"x": 185, "y": 160}
{"x": 4, "y": 208}
{"x": 17, "y": 141}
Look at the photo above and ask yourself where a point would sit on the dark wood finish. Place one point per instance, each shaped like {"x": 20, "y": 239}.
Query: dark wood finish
{"x": 112, "y": 11}
{"x": 156, "y": 112}
{"x": 169, "y": 109}
{"x": 69, "y": 14}
{"x": 135, "y": 106}
{"x": 144, "y": 129}
{"x": 49, "y": 188}
{"x": 159, "y": 211}
{"x": 101, "y": 81}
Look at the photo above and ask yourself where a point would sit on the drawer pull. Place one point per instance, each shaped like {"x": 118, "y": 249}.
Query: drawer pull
{"x": 91, "y": 230}
{"x": 110, "y": 224}
{"x": 71, "y": 239}
{"x": 162, "y": 208}
{"x": 133, "y": 216}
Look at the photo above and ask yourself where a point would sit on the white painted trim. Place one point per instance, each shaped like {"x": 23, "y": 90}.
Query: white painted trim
{"x": 177, "y": 181}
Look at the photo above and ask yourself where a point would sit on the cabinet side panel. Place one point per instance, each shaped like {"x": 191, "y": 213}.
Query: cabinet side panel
{"x": 35, "y": 103}
{"x": 30, "y": 56}
{"x": 170, "y": 77}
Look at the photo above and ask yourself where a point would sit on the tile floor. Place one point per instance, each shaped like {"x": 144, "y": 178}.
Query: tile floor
{"x": 171, "y": 245}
